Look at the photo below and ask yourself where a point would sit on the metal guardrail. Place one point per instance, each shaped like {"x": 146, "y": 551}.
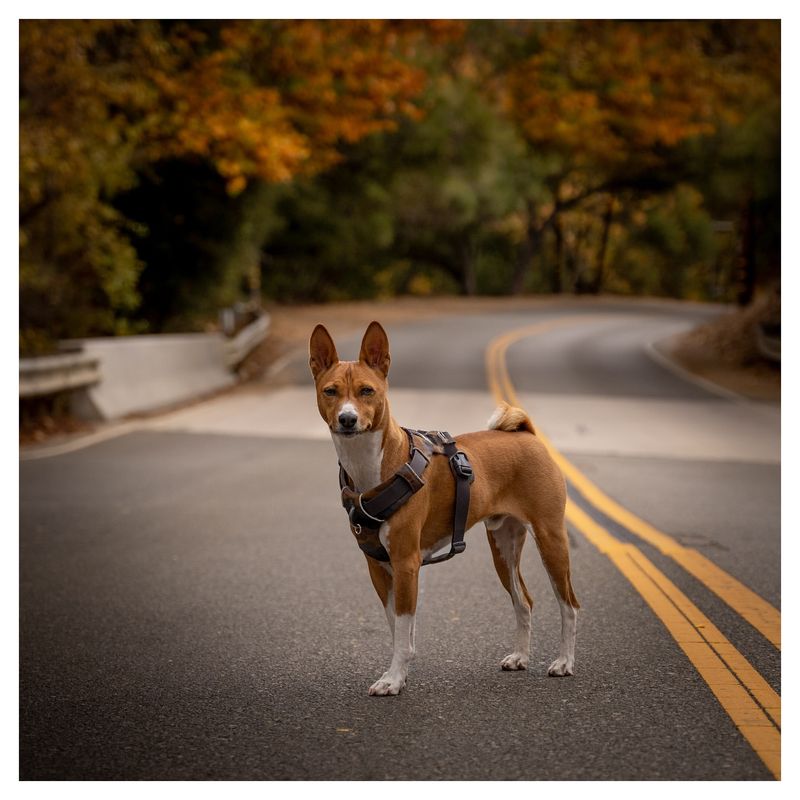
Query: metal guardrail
{"x": 73, "y": 370}
{"x": 58, "y": 373}
{"x": 246, "y": 340}
{"x": 768, "y": 346}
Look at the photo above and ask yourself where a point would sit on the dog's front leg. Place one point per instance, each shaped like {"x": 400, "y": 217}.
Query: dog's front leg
{"x": 405, "y": 572}
{"x": 381, "y": 575}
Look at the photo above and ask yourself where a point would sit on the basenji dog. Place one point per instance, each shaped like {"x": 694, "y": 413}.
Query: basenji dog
{"x": 517, "y": 489}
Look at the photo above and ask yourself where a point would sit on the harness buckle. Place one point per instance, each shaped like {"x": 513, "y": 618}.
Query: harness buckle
{"x": 461, "y": 466}
{"x": 439, "y": 438}
{"x": 411, "y": 477}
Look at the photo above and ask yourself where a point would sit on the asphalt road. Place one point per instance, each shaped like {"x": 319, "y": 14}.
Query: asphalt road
{"x": 193, "y": 606}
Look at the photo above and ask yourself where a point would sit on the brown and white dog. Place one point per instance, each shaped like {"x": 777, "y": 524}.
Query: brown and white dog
{"x": 518, "y": 488}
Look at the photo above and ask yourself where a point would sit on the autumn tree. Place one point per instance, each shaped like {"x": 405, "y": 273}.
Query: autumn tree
{"x": 738, "y": 168}
{"x": 605, "y": 107}
{"x": 166, "y": 165}
{"x": 102, "y": 102}
{"x": 84, "y": 103}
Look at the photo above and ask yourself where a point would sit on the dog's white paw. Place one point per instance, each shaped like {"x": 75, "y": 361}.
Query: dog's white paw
{"x": 388, "y": 684}
{"x": 561, "y": 667}
{"x": 515, "y": 661}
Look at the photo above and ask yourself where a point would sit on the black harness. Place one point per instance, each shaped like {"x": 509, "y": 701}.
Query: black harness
{"x": 367, "y": 511}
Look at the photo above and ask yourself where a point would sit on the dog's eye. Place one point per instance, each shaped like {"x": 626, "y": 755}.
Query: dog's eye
{"x": 367, "y": 390}
{"x": 329, "y": 391}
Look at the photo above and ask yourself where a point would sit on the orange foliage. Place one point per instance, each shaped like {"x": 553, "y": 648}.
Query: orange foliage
{"x": 266, "y": 99}
{"x": 276, "y": 98}
{"x": 100, "y": 100}
{"x": 601, "y": 93}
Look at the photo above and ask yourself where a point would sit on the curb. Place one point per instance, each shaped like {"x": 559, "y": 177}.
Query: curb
{"x": 32, "y": 453}
{"x": 663, "y": 360}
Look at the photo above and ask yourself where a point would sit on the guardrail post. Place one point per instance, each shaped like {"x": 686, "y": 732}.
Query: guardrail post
{"x": 768, "y": 345}
{"x": 246, "y": 340}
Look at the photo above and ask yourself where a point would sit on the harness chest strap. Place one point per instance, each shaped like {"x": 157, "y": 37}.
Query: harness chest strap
{"x": 367, "y": 511}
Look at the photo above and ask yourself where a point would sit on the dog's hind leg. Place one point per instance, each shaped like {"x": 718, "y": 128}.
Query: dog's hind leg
{"x": 506, "y": 538}
{"x": 551, "y": 539}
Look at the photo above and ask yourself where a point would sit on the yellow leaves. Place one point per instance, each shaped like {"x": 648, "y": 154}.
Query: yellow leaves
{"x": 277, "y": 98}
{"x": 236, "y": 185}
{"x": 605, "y": 91}
{"x": 420, "y": 285}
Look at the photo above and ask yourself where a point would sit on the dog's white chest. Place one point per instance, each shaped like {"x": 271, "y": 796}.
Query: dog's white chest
{"x": 361, "y": 456}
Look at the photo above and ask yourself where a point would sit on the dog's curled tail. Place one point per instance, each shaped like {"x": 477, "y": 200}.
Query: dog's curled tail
{"x": 510, "y": 418}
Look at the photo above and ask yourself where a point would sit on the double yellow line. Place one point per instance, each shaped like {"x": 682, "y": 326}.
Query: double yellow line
{"x": 747, "y": 698}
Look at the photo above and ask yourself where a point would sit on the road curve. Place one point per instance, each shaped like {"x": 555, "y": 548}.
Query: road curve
{"x": 193, "y": 606}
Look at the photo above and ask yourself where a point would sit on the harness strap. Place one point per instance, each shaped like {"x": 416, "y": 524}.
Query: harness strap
{"x": 377, "y": 504}
{"x": 464, "y": 476}
{"x": 368, "y": 510}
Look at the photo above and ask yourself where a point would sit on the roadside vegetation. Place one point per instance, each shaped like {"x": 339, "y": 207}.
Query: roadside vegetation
{"x": 168, "y": 169}
{"x": 739, "y": 351}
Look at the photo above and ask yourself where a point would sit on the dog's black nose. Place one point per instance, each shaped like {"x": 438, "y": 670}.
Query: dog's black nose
{"x": 347, "y": 419}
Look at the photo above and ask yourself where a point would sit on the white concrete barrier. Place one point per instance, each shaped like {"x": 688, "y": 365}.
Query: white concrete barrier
{"x": 116, "y": 376}
{"x": 142, "y": 373}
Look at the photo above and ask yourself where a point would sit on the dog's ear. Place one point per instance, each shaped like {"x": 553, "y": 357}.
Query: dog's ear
{"x": 322, "y": 351}
{"x": 375, "y": 349}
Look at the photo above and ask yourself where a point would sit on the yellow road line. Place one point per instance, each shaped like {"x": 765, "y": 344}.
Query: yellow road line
{"x": 750, "y": 702}
{"x": 764, "y": 617}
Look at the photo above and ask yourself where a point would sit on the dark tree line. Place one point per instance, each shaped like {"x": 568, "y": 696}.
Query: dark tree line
{"x": 167, "y": 169}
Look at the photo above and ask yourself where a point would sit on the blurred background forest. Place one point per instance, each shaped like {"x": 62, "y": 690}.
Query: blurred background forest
{"x": 168, "y": 169}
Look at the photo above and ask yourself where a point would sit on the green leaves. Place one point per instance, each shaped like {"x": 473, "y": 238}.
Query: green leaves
{"x": 103, "y": 102}
{"x": 163, "y": 164}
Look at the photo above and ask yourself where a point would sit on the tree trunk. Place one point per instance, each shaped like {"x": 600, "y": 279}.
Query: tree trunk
{"x": 469, "y": 276}
{"x": 521, "y": 267}
{"x": 746, "y": 262}
{"x": 558, "y": 267}
{"x": 526, "y": 251}
{"x": 599, "y": 274}
{"x": 576, "y": 272}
